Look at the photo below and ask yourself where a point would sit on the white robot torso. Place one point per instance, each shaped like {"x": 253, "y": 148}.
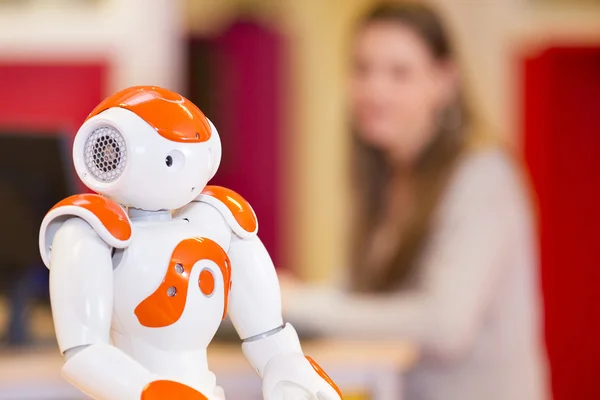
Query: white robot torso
{"x": 170, "y": 296}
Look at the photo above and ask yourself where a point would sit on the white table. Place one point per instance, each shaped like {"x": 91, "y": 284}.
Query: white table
{"x": 359, "y": 368}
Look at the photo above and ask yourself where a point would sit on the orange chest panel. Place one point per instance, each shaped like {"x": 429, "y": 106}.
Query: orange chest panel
{"x": 165, "y": 305}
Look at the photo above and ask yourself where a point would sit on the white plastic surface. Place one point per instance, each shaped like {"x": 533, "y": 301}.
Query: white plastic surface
{"x": 55, "y": 218}
{"x": 81, "y": 285}
{"x": 147, "y": 182}
{"x": 260, "y": 352}
{"x": 106, "y": 373}
{"x": 176, "y": 351}
{"x": 213, "y": 222}
{"x": 290, "y": 376}
{"x": 215, "y": 150}
{"x": 228, "y": 215}
{"x": 286, "y": 372}
{"x": 255, "y": 300}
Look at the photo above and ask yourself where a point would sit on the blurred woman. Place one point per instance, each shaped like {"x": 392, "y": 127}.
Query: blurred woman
{"x": 444, "y": 252}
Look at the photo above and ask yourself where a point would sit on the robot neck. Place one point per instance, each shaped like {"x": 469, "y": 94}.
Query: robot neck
{"x": 135, "y": 214}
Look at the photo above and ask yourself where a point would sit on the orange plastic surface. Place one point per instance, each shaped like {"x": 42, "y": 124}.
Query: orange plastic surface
{"x": 165, "y": 306}
{"x": 324, "y": 376}
{"x": 239, "y": 207}
{"x": 169, "y": 390}
{"x": 108, "y": 212}
{"x": 173, "y": 116}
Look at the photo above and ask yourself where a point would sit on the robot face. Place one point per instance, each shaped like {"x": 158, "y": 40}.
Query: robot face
{"x": 147, "y": 148}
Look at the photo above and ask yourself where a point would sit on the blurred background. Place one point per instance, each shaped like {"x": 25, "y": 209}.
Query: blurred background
{"x": 271, "y": 75}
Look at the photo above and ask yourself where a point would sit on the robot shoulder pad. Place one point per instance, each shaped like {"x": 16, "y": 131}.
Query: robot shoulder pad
{"x": 237, "y": 211}
{"x": 105, "y": 216}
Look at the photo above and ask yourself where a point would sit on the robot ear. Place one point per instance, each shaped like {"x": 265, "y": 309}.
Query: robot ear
{"x": 100, "y": 152}
{"x": 215, "y": 149}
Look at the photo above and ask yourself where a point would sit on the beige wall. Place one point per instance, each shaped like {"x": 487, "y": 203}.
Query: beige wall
{"x": 315, "y": 171}
{"x": 490, "y": 33}
{"x": 139, "y": 38}
{"x": 318, "y": 174}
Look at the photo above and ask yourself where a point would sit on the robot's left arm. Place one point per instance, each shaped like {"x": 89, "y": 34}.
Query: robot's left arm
{"x": 272, "y": 348}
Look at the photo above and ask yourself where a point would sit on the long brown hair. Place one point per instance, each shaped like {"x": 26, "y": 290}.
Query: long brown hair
{"x": 426, "y": 179}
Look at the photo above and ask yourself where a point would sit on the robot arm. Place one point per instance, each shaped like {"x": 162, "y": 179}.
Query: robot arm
{"x": 81, "y": 292}
{"x": 272, "y": 348}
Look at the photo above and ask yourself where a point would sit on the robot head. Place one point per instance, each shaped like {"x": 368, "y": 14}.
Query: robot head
{"x": 147, "y": 147}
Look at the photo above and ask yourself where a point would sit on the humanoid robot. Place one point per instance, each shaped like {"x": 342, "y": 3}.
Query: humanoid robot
{"x": 142, "y": 273}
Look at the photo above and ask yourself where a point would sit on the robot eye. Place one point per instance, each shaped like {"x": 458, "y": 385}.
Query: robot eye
{"x": 175, "y": 160}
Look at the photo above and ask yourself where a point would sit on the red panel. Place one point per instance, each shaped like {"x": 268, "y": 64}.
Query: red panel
{"x": 562, "y": 146}
{"x": 49, "y": 97}
{"x": 242, "y": 94}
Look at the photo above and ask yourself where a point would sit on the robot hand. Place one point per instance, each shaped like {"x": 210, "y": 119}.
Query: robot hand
{"x": 286, "y": 373}
{"x": 296, "y": 377}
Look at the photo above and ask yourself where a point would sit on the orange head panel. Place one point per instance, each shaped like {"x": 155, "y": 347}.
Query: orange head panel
{"x": 173, "y": 116}
{"x": 239, "y": 207}
{"x": 107, "y": 211}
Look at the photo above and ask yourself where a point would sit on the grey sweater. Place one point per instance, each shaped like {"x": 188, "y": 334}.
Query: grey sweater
{"x": 477, "y": 313}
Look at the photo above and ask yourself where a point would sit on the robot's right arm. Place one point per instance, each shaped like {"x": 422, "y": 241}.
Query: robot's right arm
{"x": 73, "y": 241}
{"x": 81, "y": 294}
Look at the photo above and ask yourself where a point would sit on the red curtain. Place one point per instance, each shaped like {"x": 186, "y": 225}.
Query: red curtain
{"x": 236, "y": 80}
{"x": 49, "y": 97}
{"x": 561, "y": 91}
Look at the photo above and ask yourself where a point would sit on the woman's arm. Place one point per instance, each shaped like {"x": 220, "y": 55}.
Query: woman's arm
{"x": 460, "y": 267}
